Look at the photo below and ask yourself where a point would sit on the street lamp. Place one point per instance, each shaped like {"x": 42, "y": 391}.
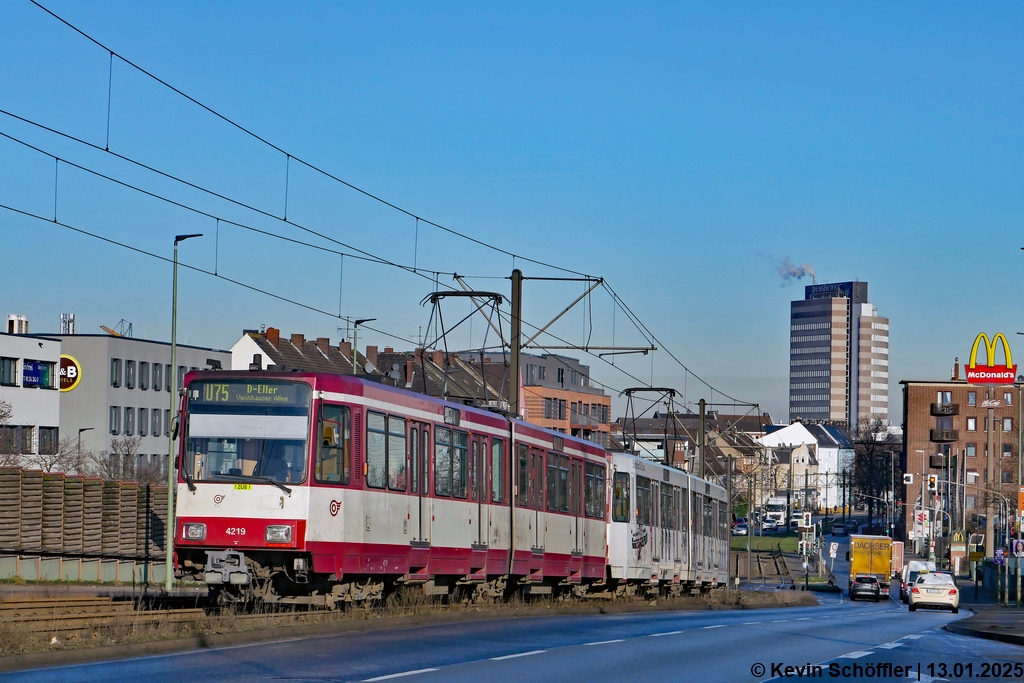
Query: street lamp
{"x": 83, "y": 429}
{"x": 355, "y": 343}
{"x": 169, "y": 530}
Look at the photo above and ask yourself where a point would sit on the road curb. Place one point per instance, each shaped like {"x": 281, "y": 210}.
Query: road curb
{"x": 52, "y": 658}
{"x": 1012, "y": 638}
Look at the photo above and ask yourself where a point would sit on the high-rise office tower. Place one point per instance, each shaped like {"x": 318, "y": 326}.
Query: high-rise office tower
{"x": 838, "y": 356}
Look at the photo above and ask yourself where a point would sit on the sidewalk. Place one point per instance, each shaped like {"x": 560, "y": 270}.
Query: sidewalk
{"x": 990, "y": 620}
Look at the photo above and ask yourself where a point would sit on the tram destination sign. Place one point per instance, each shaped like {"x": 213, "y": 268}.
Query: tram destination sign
{"x": 241, "y": 393}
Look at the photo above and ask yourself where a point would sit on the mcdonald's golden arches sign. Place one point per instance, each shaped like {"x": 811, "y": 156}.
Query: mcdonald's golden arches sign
{"x": 990, "y": 373}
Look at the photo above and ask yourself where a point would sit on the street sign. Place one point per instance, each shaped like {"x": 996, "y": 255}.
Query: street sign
{"x": 977, "y": 555}
{"x": 833, "y": 548}
{"x": 1000, "y": 556}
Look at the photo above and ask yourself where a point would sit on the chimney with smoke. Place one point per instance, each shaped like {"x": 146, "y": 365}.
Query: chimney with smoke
{"x": 789, "y": 272}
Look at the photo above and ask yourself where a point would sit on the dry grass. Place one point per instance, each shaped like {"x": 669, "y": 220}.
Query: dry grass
{"x": 126, "y": 629}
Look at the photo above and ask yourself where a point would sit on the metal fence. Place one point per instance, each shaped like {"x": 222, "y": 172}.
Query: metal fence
{"x": 62, "y": 527}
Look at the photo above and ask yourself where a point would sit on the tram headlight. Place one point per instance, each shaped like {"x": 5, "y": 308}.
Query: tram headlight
{"x": 193, "y": 531}
{"x": 279, "y": 533}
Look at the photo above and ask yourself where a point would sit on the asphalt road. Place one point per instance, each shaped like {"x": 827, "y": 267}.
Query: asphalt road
{"x": 666, "y": 646}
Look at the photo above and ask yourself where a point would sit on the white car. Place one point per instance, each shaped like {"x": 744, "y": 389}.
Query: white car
{"x": 937, "y": 591}
{"x": 769, "y": 524}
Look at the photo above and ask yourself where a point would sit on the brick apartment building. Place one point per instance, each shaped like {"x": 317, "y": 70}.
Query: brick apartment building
{"x": 948, "y": 421}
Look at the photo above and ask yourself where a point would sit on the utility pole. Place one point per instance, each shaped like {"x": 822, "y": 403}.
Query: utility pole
{"x": 515, "y": 342}
{"x": 728, "y": 497}
{"x": 990, "y": 473}
{"x": 842, "y": 486}
{"x": 169, "y": 530}
{"x": 806, "y": 484}
{"x": 702, "y": 438}
{"x": 1020, "y": 441}
{"x": 789, "y": 489}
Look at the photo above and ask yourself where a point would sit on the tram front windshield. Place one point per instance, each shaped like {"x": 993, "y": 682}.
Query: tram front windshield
{"x": 238, "y": 430}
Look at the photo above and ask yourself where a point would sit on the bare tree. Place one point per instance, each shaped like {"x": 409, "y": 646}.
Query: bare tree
{"x": 873, "y": 473}
{"x": 118, "y": 462}
{"x": 65, "y": 458}
{"x": 8, "y": 458}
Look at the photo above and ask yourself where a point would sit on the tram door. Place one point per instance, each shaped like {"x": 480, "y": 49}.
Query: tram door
{"x": 655, "y": 507}
{"x": 537, "y": 495}
{"x": 419, "y": 463}
{"x": 478, "y": 486}
{"x": 697, "y": 510}
{"x": 576, "y": 503}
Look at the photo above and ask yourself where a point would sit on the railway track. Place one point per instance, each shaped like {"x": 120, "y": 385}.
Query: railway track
{"x": 77, "y": 615}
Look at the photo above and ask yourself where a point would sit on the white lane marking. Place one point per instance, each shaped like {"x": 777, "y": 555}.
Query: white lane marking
{"x": 855, "y": 655}
{"x": 716, "y": 626}
{"x": 605, "y": 642}
{"x": 913, "y": 636}
{"x": 779, "y": 621}
{"x": 404, "y": 673}
{"x": 751, "y": 623}
{"x": 666, "y": 633}
{"x": 803, "y": 619}
{"x": 518, "y": 654}
{"x": 890, "y": 646}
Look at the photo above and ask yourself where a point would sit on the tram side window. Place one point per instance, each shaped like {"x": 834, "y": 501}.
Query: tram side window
{"x": 460, "y": 455}
{"x": 593, "y": 491}
{"x": 697, "y": 510}
{"x": 620, "y": 497}
{"x": 644, "y": 502}
{"x": 414, "y": 459}
{"x": 537, "y": 479}
{"x": 443, "y": 461}
{"x": 668, "y": 513}
{"x": 497, "y": 471}
{"x": 334, "y": 456}
{"x": 523, "y": 476}
{"x": 376, "y": 450}
{"x": 558, "y": 482}
{"x": 396, "y": 454}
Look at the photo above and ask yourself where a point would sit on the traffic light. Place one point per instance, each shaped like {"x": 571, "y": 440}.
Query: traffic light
{"x": 933, "y": 482}
{"x": 807, "y": 519}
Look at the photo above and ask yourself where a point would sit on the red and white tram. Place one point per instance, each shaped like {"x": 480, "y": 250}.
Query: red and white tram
{"x": 317, "y": 488}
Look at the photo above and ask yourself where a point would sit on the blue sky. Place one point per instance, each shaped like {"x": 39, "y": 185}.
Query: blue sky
{"x": 681, "y": 151}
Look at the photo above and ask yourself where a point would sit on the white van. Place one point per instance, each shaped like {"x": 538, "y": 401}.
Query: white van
{"x": 911, "y": 571}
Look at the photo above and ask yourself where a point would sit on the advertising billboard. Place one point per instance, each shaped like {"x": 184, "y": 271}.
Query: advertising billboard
{"x": 991, "y": 373}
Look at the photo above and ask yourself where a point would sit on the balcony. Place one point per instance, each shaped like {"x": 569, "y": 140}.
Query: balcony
{"x": 944, "y": 435}
{"x": 576, "y": 419}
{"x": 944, "y": 409}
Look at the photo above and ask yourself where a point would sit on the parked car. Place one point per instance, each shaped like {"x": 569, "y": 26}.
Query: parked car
{"x": 740, "y": 530}
{"x": 935, "y": 590}
{"x": 851, "y": 525}
{"x": 865, "y": 587}
{"x": 839, "y": 530}
{"x": 769, "y": 524}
